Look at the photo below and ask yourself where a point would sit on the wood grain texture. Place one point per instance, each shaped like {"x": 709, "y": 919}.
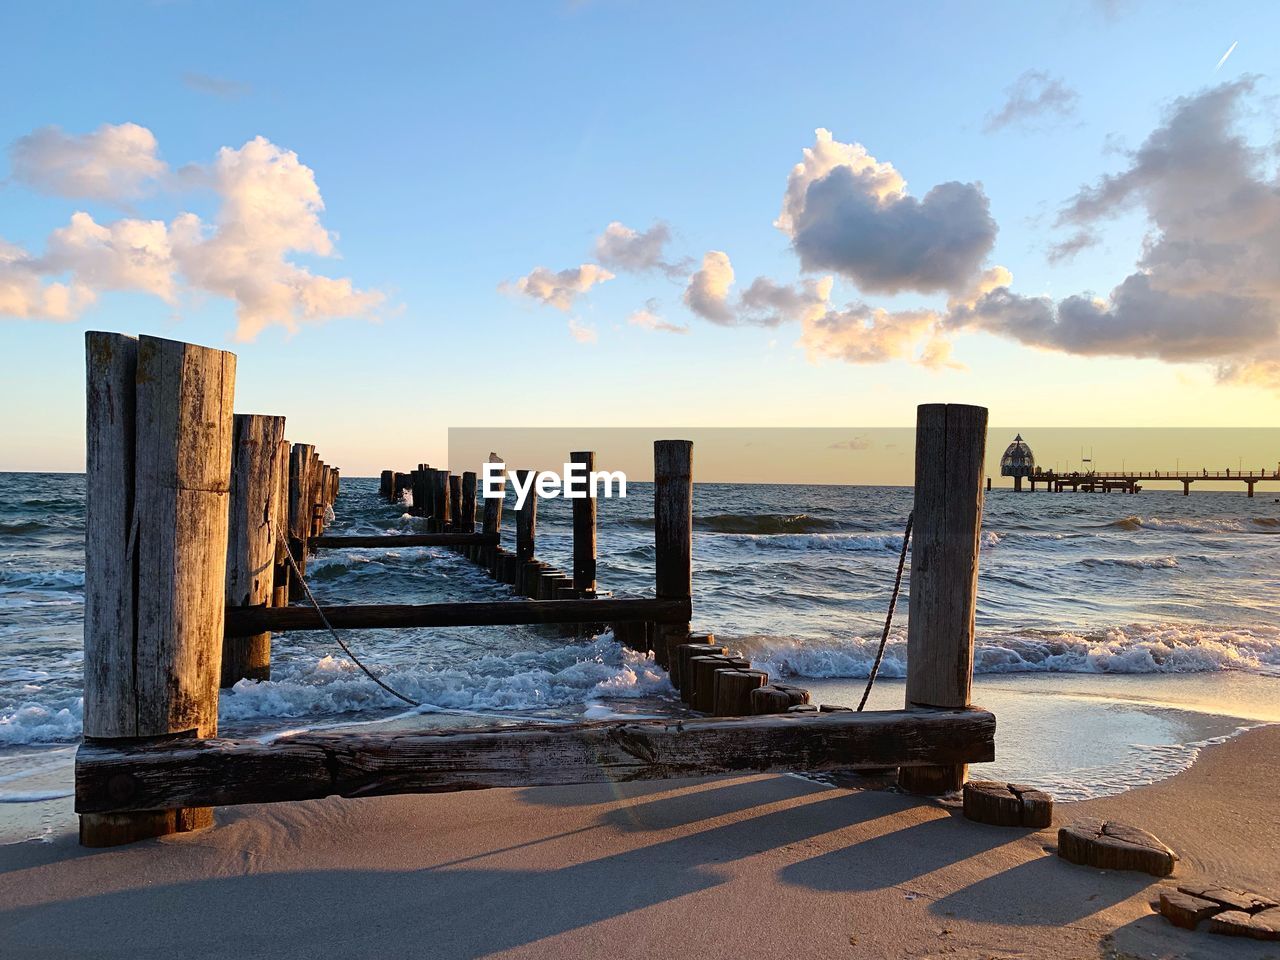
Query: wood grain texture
{"x": 950, "y": 451}
{"x": 185, "y": 395}
{"x": 280, "y": 596}
{"x": 110, "y": 561}
{"x": 244, "y": 620}
{"x": 467, "y": 505}
{"x": 252, "y": 532}
{"x": 319, "y": 764}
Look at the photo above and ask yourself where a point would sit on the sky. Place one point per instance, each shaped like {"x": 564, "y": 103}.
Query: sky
{"x": 409, "y": 217}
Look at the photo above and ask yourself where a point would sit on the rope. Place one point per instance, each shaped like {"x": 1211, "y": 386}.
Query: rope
{"x": 424, "y": 707}
{"x": 888, "y": 620}
{"x": 293, "y": 564}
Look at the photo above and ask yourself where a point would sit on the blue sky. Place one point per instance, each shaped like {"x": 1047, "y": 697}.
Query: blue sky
{"x": 460, "y": 146}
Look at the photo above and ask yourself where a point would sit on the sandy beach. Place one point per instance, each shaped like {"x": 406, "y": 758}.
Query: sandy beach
{"x": 747, "y": 866}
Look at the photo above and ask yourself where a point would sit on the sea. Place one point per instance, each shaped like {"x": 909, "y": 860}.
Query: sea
{"x": 1117, "y": 634}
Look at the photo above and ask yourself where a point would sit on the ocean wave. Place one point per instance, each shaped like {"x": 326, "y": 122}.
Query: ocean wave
{"x": 842, "y": 542}
{"x": 1132, "y": 563}
{"x": 42, "y": 579}
{"x": 1202, "y": 525}
{"x": 523, "y": 681}
{"x": 1131, "y": 649}
{"x": 765, "y": 523}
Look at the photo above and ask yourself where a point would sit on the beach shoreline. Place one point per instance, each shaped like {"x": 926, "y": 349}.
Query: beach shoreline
{"x": 724, "y": 867}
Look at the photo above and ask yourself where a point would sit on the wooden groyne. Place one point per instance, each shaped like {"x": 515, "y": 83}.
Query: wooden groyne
{"x": 197, "y": 519}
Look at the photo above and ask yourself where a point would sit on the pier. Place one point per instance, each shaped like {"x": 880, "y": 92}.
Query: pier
{"x": 1132, "y": 482}
{"x": 199, "y": 526}
{"x": 1019, "y": 463}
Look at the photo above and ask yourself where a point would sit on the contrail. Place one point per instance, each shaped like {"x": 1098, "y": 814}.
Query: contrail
{"x": 1230, "y": 50}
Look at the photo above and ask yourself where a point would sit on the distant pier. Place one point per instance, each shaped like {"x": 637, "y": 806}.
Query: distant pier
{"x": 1129, "y": 482}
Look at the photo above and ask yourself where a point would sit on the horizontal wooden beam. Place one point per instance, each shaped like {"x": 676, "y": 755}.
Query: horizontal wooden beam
{"x": 248, "y": 621}
{"x": 305, "y": 766}
{"x": 391, "y": 541}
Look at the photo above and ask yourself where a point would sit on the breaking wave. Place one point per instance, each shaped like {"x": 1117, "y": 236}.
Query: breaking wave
{"x": 1132, "y": 649}
{"x": 1202, "y": 525}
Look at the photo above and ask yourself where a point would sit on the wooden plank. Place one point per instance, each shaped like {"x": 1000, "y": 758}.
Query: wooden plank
{"x": 253, "y": 525}
{"x": 241, "y": 620}
{"x": 328, "y": 763}
{"x": 391, "y": 541}
{"x": 951, "y": 442}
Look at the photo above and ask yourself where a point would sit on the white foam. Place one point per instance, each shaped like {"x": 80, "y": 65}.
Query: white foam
{"x": 29, "y": 723}
{"x": 521, "y": 681}
{"x": 1131, "y": 649}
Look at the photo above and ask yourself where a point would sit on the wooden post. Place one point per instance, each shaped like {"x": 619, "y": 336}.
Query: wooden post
{"x": 584, "y": 531}
{"x": 158, "y": 471}
{"x": 467, "y": 505}
{"x": 455, "y": 500}
{"x": 251, "y": 539}
{"x": 672, "y": 534}
{"x": 526, "y": 523}
{"x": 280, "y": 593}
{"x": 384, "y": 485}
{"x": 951, "y": 441}
{"x": 299, "y": 512}
{"x": 492, "y": 524}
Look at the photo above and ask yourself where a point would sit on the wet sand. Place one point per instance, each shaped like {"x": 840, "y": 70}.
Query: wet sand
{"x": 756, "y": 866}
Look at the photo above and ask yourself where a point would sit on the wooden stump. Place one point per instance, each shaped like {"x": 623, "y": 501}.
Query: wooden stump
{"x": 1186, "y": 911}
{"x": 158, "y": 470}
{"x": 1237, "y": 923}
{"x": 1110, "y": 845}
{"x": 584, "y": 529}
{"x": 685, "y": 653}
{"x": 951, "y": 443}
{"x": 700, "y": 642}
{"x": 777, "y": 698}
{"x": 1007, "y": 804}
{"x": 733, "y": 690}
{"x": 703, "y": 697}
{"x": 672, "y": 536}
{"x": 280, "y": 591}
{"x": 253, "y": 528}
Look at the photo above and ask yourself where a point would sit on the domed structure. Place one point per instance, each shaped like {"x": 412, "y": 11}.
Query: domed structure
{"x": 1018, "y": 462}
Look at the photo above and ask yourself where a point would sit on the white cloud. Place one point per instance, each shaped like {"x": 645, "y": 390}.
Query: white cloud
{"x": 707, "y": 294}
{"x": 582, "y": 332}
{"x": 1033, "y": 97}
{"x": 863, "y": 334}
{"x": 558, "y": 288}
{"x": 648, "y": 319}
{"x": 269, "y": 208}
{"x": 115, "y": 164}
{"x": 1206, "y": 286}
{"x": 637, "y": 251}
{"x": 844, "y": 210}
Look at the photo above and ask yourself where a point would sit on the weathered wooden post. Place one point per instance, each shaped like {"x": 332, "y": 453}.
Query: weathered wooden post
{"x": 672, "y": 535}
{"x": 584, "y": 531}
{"x": 280, "y": 594}
{"x": 951, "y": 442}
{"x": 299, "y": 512}
{"x": 443, "y": 508}
{"x": 384, "y": 485}
{"x": 467, "y": 505}
{"x": 492, "y": 525}
{"x": 158, "y": 471}
{"x": 526, "y": 527}
{"x": 253, "y": 526}
{"x": 455, "y": 499}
